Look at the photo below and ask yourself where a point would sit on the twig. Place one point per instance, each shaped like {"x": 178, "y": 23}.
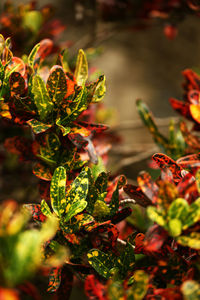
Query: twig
{"x": 123, "y": 243}
{"x": 127, "y": 201}
{"x": 138, "y": 157}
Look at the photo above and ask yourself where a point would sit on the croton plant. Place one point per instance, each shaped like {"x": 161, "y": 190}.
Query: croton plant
{"x": 84, "y": 228}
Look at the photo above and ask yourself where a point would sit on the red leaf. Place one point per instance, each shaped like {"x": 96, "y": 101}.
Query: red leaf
{"x": 136, "y": 193}
{"x": 94, "y": 289}
{"x": 148, "y": 186}
{"x": 164, "y": 161}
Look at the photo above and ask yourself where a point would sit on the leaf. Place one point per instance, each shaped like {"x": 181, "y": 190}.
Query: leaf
{"x": 195, "y": 112}
{"x": 81, "y": 70}
{"x": 32, "y": 55}
{"x": 101, "y": 262}
{"x": 45, "y": 209}
{"x": 181, "y": 107}
{"x": 94, "y": 289}
{"x": 35, "y": 210}
{"x": 156, "y": 216}
{"x": 32, "y": 20}
{"x": 37, "y": 126}
{"x": 17, "y": 84}
{"x": 191, "y": 290}
{"x": 101, "y": 182}
{"x": 148, "y": 186}
{"x": 42, "y": 171}
{"x": 15, "y": 65}
{"x": 191, "y": 241}
{"x": 98, "y": 168}
{"x": 57, "y": 190}
{"x": 45, "y": 48}
{"x": 140, "y": 286}
{"x": 147, "y": 118}
{"x": 54, "y": 279}
{"x": 57, "y": 84}
{"x": 193, "y": 215}
{"x": 136, "y": 193}
{"x": 114, "y": 203}
{"x": 75, "y": 208}
{"x": 175, "y": 227}
{"x": 41, "y": 98}
{"x": 179, "y": 209}
{"x": 79, "y": 188}
{"x": 197, "y": 176}
{"x": 101, "y": 210}
{"x": 164, "y": 161}
{"x": 97, "y": 90}
{"x": 126, "y": 260}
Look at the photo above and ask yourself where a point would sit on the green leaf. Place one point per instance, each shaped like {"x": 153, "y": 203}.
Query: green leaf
{"x": 57, "y": 84}
{"x": 114, "y": 204}
{"x": 198, "y": 180}
{"x": 57, "y": 190}
{"x": 37, "y": 126}
{"x": 100, "y": 90}
{"x": 74, "y": 209}
{"x": 101, "y": 182}
{"x": 192, "y": 240}
{"x": 126, "y": 260}
{"x": 101, "y": 210}
{"x": 2, "y": 43}
{"x": 191, "y": 290}
{"x": 32, "y": 55}
{"x": 193, "y": 215}
{"x": 179, "y": 209}
{"x": 175, "y": 227}
{"x": 155, "y": 216}
{"x": 147, "y": 118}
{"x": 99, "y": 168}
{"x": 45, "y": 209}
{"x": 101, "y": 262}
{"x": 81, "y": 71}
{"x": 140, "y": 286}
{"x": 41, "y": 98}
{"x": 32, "y": 20}
{"x": 79, "y": 188}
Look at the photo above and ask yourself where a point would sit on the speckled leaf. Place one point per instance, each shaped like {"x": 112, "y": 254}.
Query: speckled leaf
{"x": 97, "y": 90}
{"x": 35, "y": 210}
{"x": 179, "y": 209}
{"x": 136, "y": 193}
{"x": 45, "y": 209}
{"x": 140, "y": 286}
{"x": 17, "y": 84}
{"x": 126, "y": 260}
{"x": 192, "y": 240}
{"x": 74, "y": 208}
{"x": 114, "y": 204}
{"x": 148, "y": 186}
{"x": 101, "y": 262}
{"x": 79, "y": 188}
{"x": 191, "y": 290}
{"x": 101, "y": 182}
{"x": 57, "y": 84}
{"x": 80, "y": 104}
{"x": 54, "y": 279}
{"x": 42, "y": 171}
{"x": 164, "y": 161}
{"x": 41, "y": 97}
{"x": 77, "y": 223}
{"x": 156, "y": 216}
{"x": 32, "y": 55}
{"x": 37, "y": 126}
{"x": 198, "y": 180}
{"x": 16, "y": 65}
{"x": 81, "y": 71}
{"x": 57, "y": 190}
{"x": 193, "y": 215}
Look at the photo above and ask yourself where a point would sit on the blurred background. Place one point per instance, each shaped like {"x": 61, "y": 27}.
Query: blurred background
{"x": 139, "y": 61}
